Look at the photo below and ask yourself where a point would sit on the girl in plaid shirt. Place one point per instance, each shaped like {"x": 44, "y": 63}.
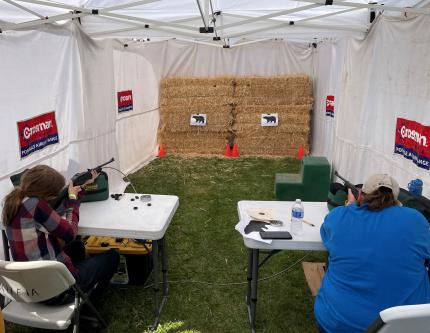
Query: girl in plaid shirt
{"x": 35, "y": 231}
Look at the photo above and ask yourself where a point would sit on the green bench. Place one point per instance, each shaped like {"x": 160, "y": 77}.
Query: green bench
{"x": 311, "y": 184}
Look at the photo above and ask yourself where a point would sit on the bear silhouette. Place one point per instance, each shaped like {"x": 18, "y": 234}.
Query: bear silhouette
{"x": 199, "y": 119}
{"x": 270, "y": 119}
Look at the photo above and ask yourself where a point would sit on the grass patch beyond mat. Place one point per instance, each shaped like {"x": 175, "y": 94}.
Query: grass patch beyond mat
{"x": 207, "y": 257}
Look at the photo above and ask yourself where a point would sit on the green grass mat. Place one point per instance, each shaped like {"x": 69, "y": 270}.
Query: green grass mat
{"x": 207, "y": 257}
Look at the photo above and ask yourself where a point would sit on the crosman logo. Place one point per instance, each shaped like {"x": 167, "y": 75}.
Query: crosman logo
{"x": 29, "y": 131}
{"x": 125, "y": 98}
{"x": 413, "y": 135}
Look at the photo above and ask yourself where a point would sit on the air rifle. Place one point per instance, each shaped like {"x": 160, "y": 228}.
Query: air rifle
{"x": 355, "y": 190}
{"x": 78, "y": 179}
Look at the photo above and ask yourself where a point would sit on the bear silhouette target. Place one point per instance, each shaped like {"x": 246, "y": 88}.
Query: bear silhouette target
{"x": 199, "y": 119}
{"x": 270, "y": 119}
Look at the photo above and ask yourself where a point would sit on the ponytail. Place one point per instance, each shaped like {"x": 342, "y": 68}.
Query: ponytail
{"x": 11, "y": 206}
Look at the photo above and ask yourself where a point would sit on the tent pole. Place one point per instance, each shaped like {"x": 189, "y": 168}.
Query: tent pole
{"x": 203, "y": 14}
{"x": 35, "y": 23}
{"x": 24, "y": 8}
{"x": 264, "y": 17}
{"x": 288, "y": 25}
{"x": 127, "y": 5}
{"x": 425, "y": 11}
{"x": 149, "y": 21}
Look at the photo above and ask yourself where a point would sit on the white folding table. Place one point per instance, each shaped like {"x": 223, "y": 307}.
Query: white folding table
{"x": 130, "y": 217}
{"x": 310, "y": 239}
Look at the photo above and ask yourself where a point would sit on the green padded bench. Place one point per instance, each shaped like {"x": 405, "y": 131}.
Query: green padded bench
{"x": 311, "y": 184}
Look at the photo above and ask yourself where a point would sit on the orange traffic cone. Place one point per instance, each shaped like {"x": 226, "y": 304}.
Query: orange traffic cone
{"x": 300, "y": 153}
{"x": 227, "y": 151}
{"x": 161, "y": 151}
{"x": 235, "y": 151}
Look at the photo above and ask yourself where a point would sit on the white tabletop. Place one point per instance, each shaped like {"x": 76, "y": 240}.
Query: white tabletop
{"x": 310, "y": 239}
{"x": 118, "y": 218}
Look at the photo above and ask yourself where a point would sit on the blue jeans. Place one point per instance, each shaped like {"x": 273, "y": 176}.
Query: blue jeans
{"x": 95, "y": 273}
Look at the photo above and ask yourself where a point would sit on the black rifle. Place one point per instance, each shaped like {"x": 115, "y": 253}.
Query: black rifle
{"x": 354, "y": 189}
{"x": 77, "y": 180}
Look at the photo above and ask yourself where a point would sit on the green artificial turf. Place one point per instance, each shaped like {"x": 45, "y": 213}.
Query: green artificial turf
{"x": 207, "y": 257}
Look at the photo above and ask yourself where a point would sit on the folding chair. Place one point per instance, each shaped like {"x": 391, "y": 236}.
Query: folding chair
{"x": 24, "y": 284}
{"x": 401, "y": 319}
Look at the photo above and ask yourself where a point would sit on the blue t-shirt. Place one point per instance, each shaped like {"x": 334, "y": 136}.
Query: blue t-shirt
{"x": 376, "y": 261}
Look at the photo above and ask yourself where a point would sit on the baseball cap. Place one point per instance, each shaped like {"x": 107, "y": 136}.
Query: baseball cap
{"x": 374, "y": 182}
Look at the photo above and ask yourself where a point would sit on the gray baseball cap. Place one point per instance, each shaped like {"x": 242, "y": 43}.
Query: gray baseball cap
{"x": 381, "y": 180}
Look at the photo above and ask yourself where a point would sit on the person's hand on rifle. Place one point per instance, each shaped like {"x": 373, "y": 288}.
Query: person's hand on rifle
{"x": 351, "y": 199}
{"x": 73, "y": 191}
{"x": 94, "y": 175}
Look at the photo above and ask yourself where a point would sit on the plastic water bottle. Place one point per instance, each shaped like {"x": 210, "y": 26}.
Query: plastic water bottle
{"x": 297, "y": 213}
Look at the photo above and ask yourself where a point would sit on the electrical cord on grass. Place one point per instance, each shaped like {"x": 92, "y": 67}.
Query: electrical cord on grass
{"x": 125, "y": 176}
{"x": 237, "y": 283}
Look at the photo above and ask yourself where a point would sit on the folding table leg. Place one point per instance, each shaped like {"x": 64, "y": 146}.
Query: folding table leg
{"x": 164, "y": 268}
{"x": 254, "y": 282}
{"x": 156, "y": 287}
{"x": 249, "y": 277}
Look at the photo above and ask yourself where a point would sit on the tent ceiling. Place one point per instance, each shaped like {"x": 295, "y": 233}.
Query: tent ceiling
{"x": 194, "y": 19}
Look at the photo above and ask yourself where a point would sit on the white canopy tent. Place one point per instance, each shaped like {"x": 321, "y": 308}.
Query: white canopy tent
{"x": 73, "y": 57}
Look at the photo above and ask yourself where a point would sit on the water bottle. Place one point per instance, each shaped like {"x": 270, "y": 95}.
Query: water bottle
{"x": 297, "y": 213}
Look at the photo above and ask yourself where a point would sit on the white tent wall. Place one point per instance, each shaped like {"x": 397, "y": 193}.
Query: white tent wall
{"x": 267, "y": 58}
{"x": 136, "y": 130}
{"x": 41, "y": 72}
{"x": 386, "y": 76}
{"x": 329, "y": 57}
{"x": 96, "y": 141}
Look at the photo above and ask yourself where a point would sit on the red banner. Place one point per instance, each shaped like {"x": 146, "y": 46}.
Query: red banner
{"x": 412, "y": 141}
{"x": 37, "y": 133}
{"x": 329, "y": 106}
{"x": 125, "y": 101}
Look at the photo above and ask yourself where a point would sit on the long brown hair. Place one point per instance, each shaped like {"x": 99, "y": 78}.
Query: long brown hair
{"x": 378, "y": 200}
{"x": 41, "y": 182}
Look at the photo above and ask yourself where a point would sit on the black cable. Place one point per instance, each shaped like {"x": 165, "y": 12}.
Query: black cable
{"x": 125, "y": 176}
{"x": 237, "y": 283}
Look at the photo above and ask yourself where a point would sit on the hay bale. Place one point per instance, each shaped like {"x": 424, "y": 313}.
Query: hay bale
{"x": 233, "y": 107}
{"x": 196, "y": 81}
{"x": 196, "y": 101}
{"x": 193, "y": 143}
{"x": 177, "y": 118}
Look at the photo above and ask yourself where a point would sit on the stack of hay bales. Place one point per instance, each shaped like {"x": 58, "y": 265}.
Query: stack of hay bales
{"x": 234, "y": 107}
{"x": 288, "y": 96}
{"x": 182, "y": 97}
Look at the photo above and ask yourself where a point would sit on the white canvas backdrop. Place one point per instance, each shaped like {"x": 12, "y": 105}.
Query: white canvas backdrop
{"x": 268, "y": 58}
{"x": 385, "y": 77}
{"x": 136, "y": 130}
{"x": 58, "y": 69}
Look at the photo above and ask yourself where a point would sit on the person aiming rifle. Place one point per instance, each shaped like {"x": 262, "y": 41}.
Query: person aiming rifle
{"x": 36, "y": 231}
{"x": 379, "y": 252}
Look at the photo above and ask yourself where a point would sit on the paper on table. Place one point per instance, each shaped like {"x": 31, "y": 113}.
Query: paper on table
{"x": 261, "y": 214}
{"x": 240, "y": 226}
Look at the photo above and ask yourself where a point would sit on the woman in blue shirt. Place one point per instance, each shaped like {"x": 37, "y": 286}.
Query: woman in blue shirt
{"x": 378, "y": 253}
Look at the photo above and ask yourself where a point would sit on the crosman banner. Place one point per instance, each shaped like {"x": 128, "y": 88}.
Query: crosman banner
{"x": 37, "y": 133}
{"x": 412, "y": 141}
{"x": 125, "y": 101}
{"x": 329, "y": 106}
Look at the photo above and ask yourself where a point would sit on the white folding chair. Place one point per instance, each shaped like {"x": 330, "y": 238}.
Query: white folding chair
{"x": 24, "y": 284}
{"x": 402, "y": 319}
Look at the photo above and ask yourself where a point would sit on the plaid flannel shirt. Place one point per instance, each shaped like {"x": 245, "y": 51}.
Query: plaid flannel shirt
{"x": 34, "y": 232}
